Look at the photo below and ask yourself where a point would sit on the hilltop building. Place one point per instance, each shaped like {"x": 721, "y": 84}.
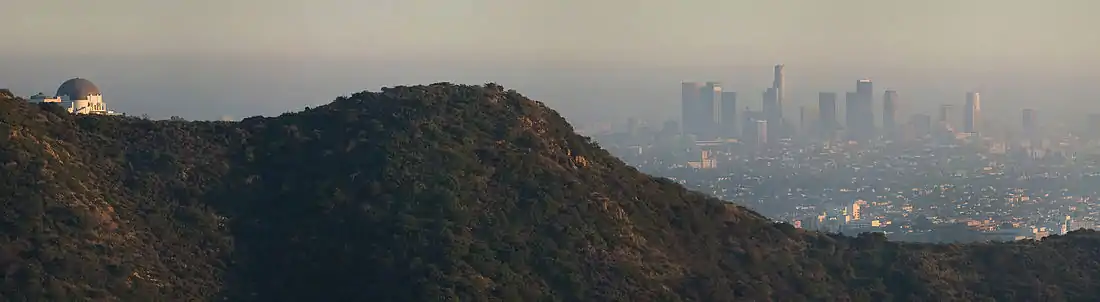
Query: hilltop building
{"x": 78, "y": 96}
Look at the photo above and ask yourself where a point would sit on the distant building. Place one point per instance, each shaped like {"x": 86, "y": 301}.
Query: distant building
{"x": 729, "y": 114}
{"x": 77, "y": 96}
{"x": 711, "y": 99}
{"x": 1029, "y": 121}
{"x": 701, "y": 109}
{"x": 1070, "y": 225}
{"x": 690, "y": 108}
{"x": 778, "y": 82}
{"x": 857, "y": 209}
{"x": 775, "y": 117}
{"x": 851, "y": 115}
{"x": 972, "y": 112}
{"x": 826, "y": 106}
{"x": 773, "y": 111}
{"x": 945, "y": 114}
{"x": 761, "y": 132}
{"x": 706, "y": 161}
{"x": 748, "y": 127}
{"x": 1040, "y": 232}
{"x": 864, "y": 119}
{"x": 889, "y": 114}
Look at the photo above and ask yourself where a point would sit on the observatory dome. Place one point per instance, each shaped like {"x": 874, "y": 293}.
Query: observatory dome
{"x": 77, "y": 89}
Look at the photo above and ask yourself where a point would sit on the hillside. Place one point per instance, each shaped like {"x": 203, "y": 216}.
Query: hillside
{"x": 432, "y": 193}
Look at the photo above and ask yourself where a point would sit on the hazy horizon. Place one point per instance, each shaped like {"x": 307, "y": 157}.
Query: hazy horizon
{"x": 591, "y": 61}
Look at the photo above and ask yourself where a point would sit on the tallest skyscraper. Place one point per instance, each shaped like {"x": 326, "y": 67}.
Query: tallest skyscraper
{"x": 777, "y": 83}
{"x": 773, "y": 104}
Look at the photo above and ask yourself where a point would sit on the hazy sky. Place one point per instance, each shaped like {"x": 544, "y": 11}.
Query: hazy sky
{"x": 205, "y": 58}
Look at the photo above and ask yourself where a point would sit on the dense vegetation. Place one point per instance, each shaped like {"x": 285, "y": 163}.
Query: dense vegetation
{"x": 432, "y": 193}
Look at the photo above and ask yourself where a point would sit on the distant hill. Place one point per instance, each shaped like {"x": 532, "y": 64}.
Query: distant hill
{"x": 432, "y": 193}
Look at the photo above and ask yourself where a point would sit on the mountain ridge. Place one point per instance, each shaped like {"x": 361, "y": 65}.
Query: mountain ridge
{"x": 441, "y": 191}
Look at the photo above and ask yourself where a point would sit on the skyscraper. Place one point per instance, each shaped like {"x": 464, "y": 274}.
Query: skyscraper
{"x": 1030, "y": 122}
{"x": 690, "y": 108}
{"x": 711, "y": 99}
{"x": 773, "y": 103}
{"x": 851, "y": 114}
{"x": 889, "y": 114}
{"x": 945, "y": 115}
{"x": 748, "y": 126}
{"x": 865, "y": 128}
{"x": 761, "y": 132}
{"x": 864, "y": 87}
{"x": 778, "y": 80}
{"x": 729, "y": 114}
{"x": 826, "y": 104}
{"x": 772, "y": 111}
{"x": 972, "y": 113}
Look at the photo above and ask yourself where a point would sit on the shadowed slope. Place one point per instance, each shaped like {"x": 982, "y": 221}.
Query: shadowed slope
{"x": 471, "y": 193}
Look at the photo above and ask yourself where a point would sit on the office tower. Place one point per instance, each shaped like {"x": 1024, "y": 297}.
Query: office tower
{"x": 690, "y": 108}
{"x": 1029, "y": 121}
{"x": 972, "y": 112}
{"x": 921, "y": 125}
{"x": 774, "y": 98}
{"x": 778, "y": 82}
{"x": 945, "y": 115}
{"x": 761, "y": 132}
{"x": 826, "y": 106}
{"x": 711, "y": 99}
{"x": 865, "y": 112}
{"x": 889, "y": 114}
{"x": 748, "y": 126}
{"x": 772, "y": 111}
{"x": 729, "y": 114}
{"x": 851, "y": 114}
{"x": 865, "y": 88}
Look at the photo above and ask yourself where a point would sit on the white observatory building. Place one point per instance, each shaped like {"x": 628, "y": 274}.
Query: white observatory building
{"x": 78, "y": 96}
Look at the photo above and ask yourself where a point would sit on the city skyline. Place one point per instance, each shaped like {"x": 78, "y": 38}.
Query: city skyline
{"x": 860, "y": 124}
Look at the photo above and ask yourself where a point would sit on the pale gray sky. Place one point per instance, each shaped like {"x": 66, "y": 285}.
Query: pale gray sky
{"x": 226, "y": 54}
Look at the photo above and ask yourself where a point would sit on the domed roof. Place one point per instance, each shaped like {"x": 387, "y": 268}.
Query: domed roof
{"x": 77, "y": 89}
